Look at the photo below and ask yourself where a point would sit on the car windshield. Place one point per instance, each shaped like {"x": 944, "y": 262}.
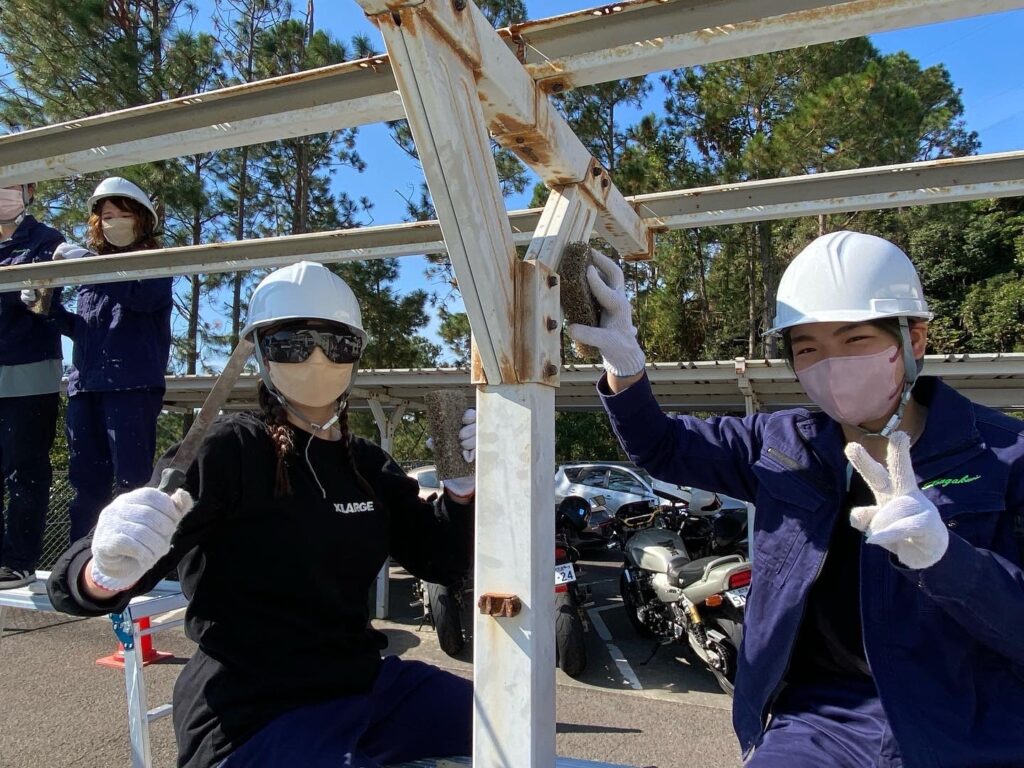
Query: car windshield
{"x": 643, "y": 474}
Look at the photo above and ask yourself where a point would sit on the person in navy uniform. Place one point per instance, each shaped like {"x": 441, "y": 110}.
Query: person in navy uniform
{"x": 885, "y": 619}
{"x": 283, "y": 523}
{"x": 30, "y": 373}
{"x": 121, "y": 335}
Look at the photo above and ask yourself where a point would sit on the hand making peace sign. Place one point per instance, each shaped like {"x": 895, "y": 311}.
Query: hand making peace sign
{"x": 903, "y": 520}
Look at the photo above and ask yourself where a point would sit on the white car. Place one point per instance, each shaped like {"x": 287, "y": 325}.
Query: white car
{"x": 427, "y": 478}
{"x": 621, "y": 486}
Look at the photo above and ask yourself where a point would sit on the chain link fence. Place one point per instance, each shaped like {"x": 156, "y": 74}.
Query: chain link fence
{"x": 57, "y": 535}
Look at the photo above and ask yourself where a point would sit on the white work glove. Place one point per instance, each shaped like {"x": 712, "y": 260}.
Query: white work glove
{"x": 66, "y": 251}
{"x": 463, "y": 486}
{"x": 133, "y": 532}
{"x": 29, "y": 296}
{"x": 616, "y": 338}
{"x": 903, "y": 520}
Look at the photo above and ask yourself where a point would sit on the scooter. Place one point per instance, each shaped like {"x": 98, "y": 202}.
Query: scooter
{"x": 674, "y": 598}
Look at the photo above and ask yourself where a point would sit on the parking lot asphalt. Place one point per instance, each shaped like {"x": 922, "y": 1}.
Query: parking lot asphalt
{"x": 637, "y": 703}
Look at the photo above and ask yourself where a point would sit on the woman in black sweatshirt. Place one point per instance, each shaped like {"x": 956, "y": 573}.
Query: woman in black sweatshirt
{"x": 292, "y": 520}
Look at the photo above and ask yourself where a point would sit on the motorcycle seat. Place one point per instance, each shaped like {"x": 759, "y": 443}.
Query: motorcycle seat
{"x": 683, "y": 572}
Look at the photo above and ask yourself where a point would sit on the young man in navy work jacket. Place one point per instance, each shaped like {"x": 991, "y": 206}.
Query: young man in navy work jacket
{"x": 885, "y": 620}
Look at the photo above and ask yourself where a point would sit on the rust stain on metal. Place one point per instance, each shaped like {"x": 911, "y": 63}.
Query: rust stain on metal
{"x": 477, "y": 373}
{"x": 536, "y": 296}
{"x": 500, "y": 605}
{"x": 650, "y": 246}
{"x": 843, "y": 11}
{"x": 556, "y": 84}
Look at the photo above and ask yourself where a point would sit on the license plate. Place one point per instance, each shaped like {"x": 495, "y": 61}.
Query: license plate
{"x": 738, "y": 597}
{"x": 564, "y": 573}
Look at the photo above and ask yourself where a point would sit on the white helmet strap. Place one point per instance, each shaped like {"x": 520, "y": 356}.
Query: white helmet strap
{"x": 910, "y": 374}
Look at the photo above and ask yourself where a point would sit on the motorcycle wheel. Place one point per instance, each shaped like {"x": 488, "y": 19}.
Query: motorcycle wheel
{"x": 447, "y": 618}
{"x": 629, "y": 603}
{"x": 570, "y": 646}
{"x": 729, "y": 648}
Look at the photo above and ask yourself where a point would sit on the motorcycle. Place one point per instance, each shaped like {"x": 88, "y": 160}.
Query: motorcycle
{"x": 444, "y": 604}
{"x": 708, "y": 524}
{"x": 670, "y": 596}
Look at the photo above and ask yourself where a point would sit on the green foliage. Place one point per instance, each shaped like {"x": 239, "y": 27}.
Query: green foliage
{"x": 456, "y": 334}
{"x": 585, "y": 435}
{"x": 390, "y": 320}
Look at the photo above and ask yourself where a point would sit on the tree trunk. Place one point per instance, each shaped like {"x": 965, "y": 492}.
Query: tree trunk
{"x": 301, "y": 189}
{"x": 702, "y": 281}
{"x": 751, "y": 295}
{"x": 240, "y": 213}
{"x": 192, "y": 334}
{"x": 766, "y": 254}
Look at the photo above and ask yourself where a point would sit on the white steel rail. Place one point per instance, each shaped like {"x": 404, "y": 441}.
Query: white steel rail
{"x": 937, "y": 181}
{"x": 563, "y": 52}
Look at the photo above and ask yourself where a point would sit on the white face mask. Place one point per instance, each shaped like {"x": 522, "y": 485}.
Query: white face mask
{"x": 314, "y": 383}
{"x": 119, "y": 232}
{"x": 12, "y": 205}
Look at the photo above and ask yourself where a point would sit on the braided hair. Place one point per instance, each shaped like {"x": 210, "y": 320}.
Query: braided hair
{"x": 282, "y": 432}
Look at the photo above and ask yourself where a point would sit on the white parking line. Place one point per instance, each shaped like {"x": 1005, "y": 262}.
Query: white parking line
{"x": 613, "y": 650}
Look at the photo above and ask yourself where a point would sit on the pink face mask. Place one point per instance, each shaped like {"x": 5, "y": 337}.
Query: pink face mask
{"x": 854, "y": 390}
{"x": 11, "y": 205}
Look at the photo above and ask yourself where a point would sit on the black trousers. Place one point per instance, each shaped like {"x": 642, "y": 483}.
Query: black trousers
{"x": 28, "y": 426}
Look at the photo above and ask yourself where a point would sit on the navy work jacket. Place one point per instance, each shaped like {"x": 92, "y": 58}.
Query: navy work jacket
{"x": 945, "y": 644}
{"x": 26, "y": 337}
{"x": 121, "y": 334}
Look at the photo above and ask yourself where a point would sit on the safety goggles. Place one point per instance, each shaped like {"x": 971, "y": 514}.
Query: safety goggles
{"x": 295, "y": 345}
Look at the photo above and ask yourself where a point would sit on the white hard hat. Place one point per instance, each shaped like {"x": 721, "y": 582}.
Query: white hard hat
{"x": 848, "y": 276}
{"x": 115, "y": 186}
{"x": 303, "y": 291}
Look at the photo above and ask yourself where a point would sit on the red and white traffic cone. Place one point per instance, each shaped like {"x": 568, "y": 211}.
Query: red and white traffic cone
{"x": 149, "y": 654}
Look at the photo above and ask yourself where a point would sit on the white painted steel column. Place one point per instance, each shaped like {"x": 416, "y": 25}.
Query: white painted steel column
{"x": 505, "y": 299}
{"x": 514, "y": 658}
{"x": 135, "y": 687}
{"x": 387, "y": 424}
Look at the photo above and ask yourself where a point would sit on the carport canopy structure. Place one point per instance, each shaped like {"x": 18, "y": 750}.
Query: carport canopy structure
{"x": 712, "y": 387}
{"x": 460, "y": 84}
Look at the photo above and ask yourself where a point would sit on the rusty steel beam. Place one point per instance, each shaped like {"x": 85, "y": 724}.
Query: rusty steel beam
{"x": 562, "y": 52}
{"x": 936, "y": 181}
{"x": 636, "y": 37}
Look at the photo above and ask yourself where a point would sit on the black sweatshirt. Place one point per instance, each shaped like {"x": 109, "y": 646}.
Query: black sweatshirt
{"x": 831, "y": 644}
{"x": 278, "y": 587}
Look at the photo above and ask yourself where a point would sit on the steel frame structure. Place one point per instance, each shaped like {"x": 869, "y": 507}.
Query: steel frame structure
{"x": 891, "y": 186}
{"x": 459, "y": 83}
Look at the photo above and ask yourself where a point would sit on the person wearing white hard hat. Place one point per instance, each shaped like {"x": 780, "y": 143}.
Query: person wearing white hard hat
{"x": 883, "y": 622}
{"x": 282, "y": 525}
{"x": 121, "y": 340}
{"x": 30, "y": 372}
